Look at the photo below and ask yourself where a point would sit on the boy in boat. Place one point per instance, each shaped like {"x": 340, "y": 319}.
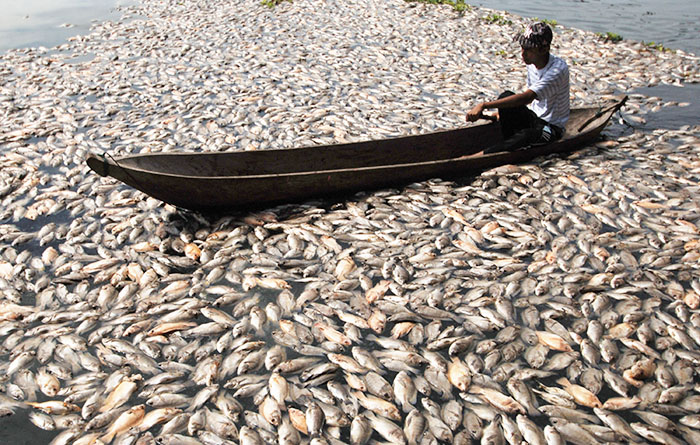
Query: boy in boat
{"x": 539, "y": 114}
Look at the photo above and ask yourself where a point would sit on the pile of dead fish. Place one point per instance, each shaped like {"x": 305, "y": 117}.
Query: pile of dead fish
{"x": 555, "y": 302}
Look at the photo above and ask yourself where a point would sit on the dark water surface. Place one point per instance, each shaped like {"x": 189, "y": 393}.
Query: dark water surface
{"x": 19, "y": 430}
{"x": 673, "y": 23}
{"x": 674, "y": 117}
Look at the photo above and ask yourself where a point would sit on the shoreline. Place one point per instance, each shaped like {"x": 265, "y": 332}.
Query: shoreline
{"x": 589, "y": 260}
{"x": 641, "y": 20}
{"x": 81, "y": 24}
{"x": 673, "y": 68}
{"x": 35, "y": 25}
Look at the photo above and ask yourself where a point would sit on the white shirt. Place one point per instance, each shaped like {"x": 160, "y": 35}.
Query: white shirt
{"x": 551, "y": 85}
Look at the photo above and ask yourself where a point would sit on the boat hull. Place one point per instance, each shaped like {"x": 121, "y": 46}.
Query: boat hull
{"x": 224, "y": 181}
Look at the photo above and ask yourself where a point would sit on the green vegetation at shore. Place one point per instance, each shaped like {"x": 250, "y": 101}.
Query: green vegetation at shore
{"x": 550, "y": 22}
{"x": 457, "y": 5}
{"x": 614, "y": 38}
{"x": 497, "y": 19}
{"x": 609, "y": 37}
{"x": 658, "y": 46}
{"x": 273, "y": 3}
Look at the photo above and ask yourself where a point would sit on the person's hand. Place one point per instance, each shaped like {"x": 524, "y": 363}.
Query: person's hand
{"x": 475, "y": 113}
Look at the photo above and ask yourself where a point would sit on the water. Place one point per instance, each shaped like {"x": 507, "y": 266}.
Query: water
{"x": 18, "y": 430}
{"x": 674, "y": 23}
{"x": 674, "y": 116}
{"x": 34, "y": 23}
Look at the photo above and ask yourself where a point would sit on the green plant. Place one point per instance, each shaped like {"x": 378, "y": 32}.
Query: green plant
{"x": 550, "y": 22}
{"x": 458, "y": 5}
{"x": 461, "y": 7}
{"x": 609, "y": 37}
{"x": 272, "y": 3}
{"x": 658, "y": 46}
{"x": 497, "y": 19}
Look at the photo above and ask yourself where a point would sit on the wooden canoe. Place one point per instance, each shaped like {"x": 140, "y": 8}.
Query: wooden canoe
{"x": 230, "y": 180}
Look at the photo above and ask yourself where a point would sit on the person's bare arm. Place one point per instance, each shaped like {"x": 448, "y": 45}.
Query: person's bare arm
{"x": 513, "y": 101}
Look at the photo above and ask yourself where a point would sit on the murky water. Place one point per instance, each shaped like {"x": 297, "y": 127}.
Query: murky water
{"x": 18, "y": 430}
{"x": 34, "y": 23}
{"x": 674, "y": 23}
{"x": 687, "y": 113}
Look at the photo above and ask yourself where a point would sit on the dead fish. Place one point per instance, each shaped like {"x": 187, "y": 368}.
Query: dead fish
{"x": 498, "y": 399}
{"x": 126, "y": 420}
{"x": 315, "y": 419}
{"x": 386, "y": 428}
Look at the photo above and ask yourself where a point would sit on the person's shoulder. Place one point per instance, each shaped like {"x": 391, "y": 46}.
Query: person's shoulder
{"x": 559, "y": 66}
{"x": 556, "y": 60}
